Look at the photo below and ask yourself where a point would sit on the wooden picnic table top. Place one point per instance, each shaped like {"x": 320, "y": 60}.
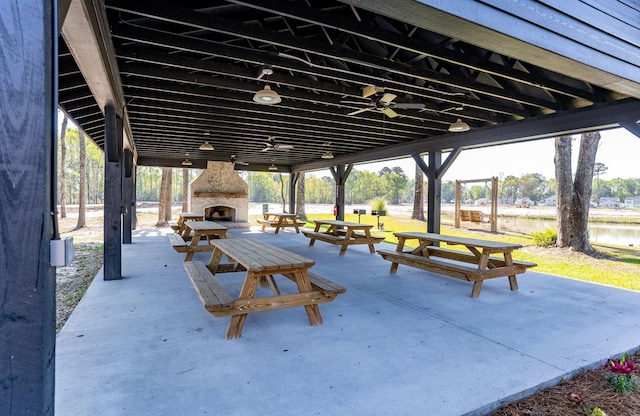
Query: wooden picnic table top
{"x": 453, "y": 240}
{"x": 281, "y": 214}
{"x": 344, "y": 224}
{"x": 205, "y": 226}
{"x": 258, "y": 256}
{"x": 186, "y": 215}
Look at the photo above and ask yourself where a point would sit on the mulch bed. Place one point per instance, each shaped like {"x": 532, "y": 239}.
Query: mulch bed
{"x": 578, "y": 396}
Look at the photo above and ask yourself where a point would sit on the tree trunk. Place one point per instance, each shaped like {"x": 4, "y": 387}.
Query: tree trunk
{"x": 82, "y": 172}
{"x": 185, "y": 190}
{"x": 284, "y": 202}
{"x": 63, "y": 168}
{"x": 572, "y": 198}
{"x": 418, "y": 196}
{"x": 300, "y": 197}
{"x": 164, "y": 210}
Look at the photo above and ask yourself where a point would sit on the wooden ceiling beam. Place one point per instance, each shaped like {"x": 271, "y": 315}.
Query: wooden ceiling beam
{"x": 181, "y": 16}
{"x": 600, "y": 117}
{"x": 410, "y": 44}
{"x": 281, "y": 64}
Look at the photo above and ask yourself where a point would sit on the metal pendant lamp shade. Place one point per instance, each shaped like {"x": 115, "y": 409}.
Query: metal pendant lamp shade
{"x": 206, "y": 146}
{"x": 273, "y": 167}
{"x": 459, "y": 126}
{"x": 327, "y": 155}
{"x": 186, "y": 162}
{"x": 267, "y": 96}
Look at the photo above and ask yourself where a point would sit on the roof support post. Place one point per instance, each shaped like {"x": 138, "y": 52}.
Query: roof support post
{"x": 28, "y": 108}
{"x": 434, "y": 188}
{"x": 128, "y": 201}
{"x": 112, "y": 195}
{"x": 340, "y": 174}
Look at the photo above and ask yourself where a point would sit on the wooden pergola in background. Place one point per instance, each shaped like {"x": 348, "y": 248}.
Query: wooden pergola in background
{"x": 493, "y": 216}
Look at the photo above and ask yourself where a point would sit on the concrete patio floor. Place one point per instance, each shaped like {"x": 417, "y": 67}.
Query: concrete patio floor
{"x": 414, "y": 343}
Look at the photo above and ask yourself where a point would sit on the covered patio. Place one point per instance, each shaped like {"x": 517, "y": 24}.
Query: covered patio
{"x": 182, "y": 83}
{"x": 404, "y": 344}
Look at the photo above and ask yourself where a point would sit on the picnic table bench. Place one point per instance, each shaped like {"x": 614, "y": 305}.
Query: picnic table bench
{"x": 280, "y": 220}
{"x": 261, "y": 261}
{"x": 476, "y": 266}
{"x": 343, "y": 234}
{"x": 472, "y": 215}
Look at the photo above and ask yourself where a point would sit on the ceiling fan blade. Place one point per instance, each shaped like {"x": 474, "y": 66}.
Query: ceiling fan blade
{"x": 369, "y": 90}
{"x": 409, "y": 106}
{"x": 283, "y": 146}
{"x": 241, "y": 163}
{"x": 362, "y": 110}
{"x": 389, "y": 112}
{"x": 266, "y": 149}
{"x": 387, "y": 98}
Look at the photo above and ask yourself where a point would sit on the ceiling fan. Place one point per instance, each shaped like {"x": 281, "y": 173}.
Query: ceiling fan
{"x": 236, "y": 161}
{"x": 383, "y": 104}
{"x": 272, "y": 145}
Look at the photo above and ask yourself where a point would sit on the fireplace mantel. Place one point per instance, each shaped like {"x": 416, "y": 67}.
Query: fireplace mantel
{"x": 200, "y": 194}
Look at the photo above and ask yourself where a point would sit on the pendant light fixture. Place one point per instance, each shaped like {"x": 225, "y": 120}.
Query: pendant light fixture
{"x": 327, "y": 155}
{"x": 273, "y": 167}
{"x": 206, "y": 146}
{"x": 267, "y": 96}
{"x": 186, "y": 162}
{"x": 459, "y": 126}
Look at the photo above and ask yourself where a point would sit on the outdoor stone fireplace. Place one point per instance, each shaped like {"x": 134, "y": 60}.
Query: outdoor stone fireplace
{"x": 220, "y": 194}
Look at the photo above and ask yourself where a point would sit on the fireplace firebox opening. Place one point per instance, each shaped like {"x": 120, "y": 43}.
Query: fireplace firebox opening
{"x": 219, "y": 213}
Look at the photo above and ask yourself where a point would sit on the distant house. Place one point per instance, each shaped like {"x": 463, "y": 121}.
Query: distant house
{"x": 483, "y": 201}
{"x": 525, "y": 202}
{"x": 632, "y": 202}
{"x": 548, "y": 202}
{"x": 609, "y": 202}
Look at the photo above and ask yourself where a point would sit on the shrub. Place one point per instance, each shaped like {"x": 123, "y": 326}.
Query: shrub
{"x": 379, "y": 205}
{"x": 546, "y": 238}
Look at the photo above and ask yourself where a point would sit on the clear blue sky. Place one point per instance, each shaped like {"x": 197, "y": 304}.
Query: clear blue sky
{"x": 619, "y": 150}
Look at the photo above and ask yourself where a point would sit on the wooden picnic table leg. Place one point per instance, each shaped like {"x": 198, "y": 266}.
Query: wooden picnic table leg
{"x": 184, "y": 232}
{"x": 345, "y": 243}
{"x": 234, "y": 330}
{"x": 214, "y": 262}
{"x": 483, "y": 260}
{"x": 311, "y": 239}
{"x": 271, "y": 282}
{"x": 278, "y": 225}
{"x": 477, "y": 287}
{"x": 372, "y": 249}
{"x": 508, "y": 262}
{"x": 304, "y": 285}
{"x": 399, "y": 248}
{"x": 194, "y": 242}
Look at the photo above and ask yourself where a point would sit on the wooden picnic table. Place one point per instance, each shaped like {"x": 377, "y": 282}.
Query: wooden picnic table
{"x": 343, "y": 233}
{"x": 206, "y": 230}
{"x": 484, "y": 265}
{"x": 280, "y": 220}
{"x": 261, "y": 261}
{"x": 178, "y": 226}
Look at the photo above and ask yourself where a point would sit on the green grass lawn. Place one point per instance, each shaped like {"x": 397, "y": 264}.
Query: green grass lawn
{"x": 613, "y": 265}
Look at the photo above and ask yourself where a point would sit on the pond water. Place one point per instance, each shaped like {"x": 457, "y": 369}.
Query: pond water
{"x": 618, "y": 234}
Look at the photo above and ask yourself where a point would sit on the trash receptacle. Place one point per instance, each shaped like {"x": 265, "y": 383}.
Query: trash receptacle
{"x": 265, "y": 209}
